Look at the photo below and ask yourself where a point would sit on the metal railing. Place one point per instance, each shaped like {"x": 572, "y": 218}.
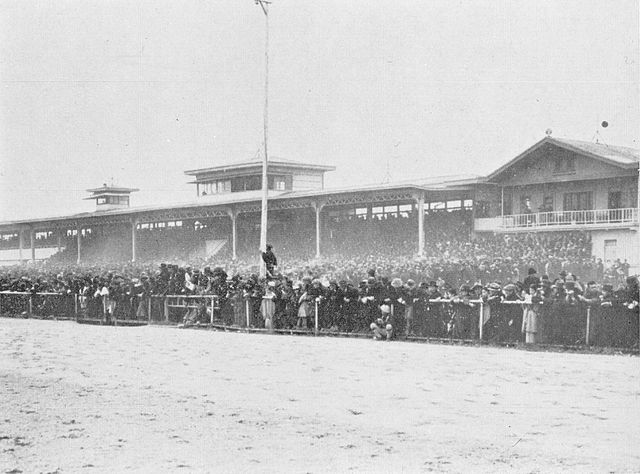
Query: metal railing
{"x": 556, "y": 323}
{"x": 42, "y": 304}
{"x": 569, "y": 218}
{"x": 191, "y": 309}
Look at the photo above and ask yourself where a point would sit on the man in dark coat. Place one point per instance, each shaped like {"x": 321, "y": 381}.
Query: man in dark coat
{"x": 269, "y": 260}
{"x": 531, "y": 279}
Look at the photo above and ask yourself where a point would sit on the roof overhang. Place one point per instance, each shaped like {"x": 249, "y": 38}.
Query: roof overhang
{"x": 560, "y": 144}
{"x": 256, "y": 164}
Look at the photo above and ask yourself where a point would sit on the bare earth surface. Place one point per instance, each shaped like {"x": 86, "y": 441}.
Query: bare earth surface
{"x": 150, "y": 399}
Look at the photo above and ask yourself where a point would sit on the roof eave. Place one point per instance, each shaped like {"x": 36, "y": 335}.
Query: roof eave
{"x": 560, "y": 144}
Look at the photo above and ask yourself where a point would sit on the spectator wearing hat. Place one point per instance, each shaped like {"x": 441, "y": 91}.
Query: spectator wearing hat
{"x": 409, "y": 297}
{"x": 316, "y": 298}
{"x": 606, "y": 330}
{"x": 270, "y": 260}
{"x": 494, "y": 317}
{"x": 381, "y": 327}
{"x": 304, "y": 305}
{"x": 142, "y": 291}
{"x": 395, "y": 298}
{"x": 431, "y": 315}
{"x": 268, "y": 306}
{"x": 513, "y": 313}
{"x": 348, "y": 297}
{"x": 369, "y": 296}
{"x": 629, "y": 294}
{"x": 465, "y": 314}
{"x": 331, "y": 307}
{"x": 530, "y": 312}
{"x": 532, "y": 278}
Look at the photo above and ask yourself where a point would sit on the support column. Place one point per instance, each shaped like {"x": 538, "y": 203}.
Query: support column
{"x": 233, "y": 215}
{"x": 79, "y": 240}
{"x": 134, "y": 223}
{"x": 421, "y": 226}
{"x": 59, "y": 240}
{"x": 20, "y": 244}
{"x": 32, "y": 239}
{"x": 318, "y": 208}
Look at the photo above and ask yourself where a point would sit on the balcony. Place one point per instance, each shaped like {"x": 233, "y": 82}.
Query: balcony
{"x": 561, "y": 220}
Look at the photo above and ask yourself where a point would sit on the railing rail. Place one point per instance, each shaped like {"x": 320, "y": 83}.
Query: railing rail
{"x": 474, "y": 320}
{"x": 562, "y": 218}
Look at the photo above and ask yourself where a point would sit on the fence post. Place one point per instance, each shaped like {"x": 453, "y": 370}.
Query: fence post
{"x": 75, "y": 304}
{"x": 481, "y": 323}
{"x": 588, "y": 324}
{"x": 212, "y": 305}
{"x": 0, "y": 303}
{"x": 246, "y": 310}
{"x": 149, "y": 312}
{"x": 165, "y": 305}
{"x": 30, "y": 304}
{"x": 316, "y": 315}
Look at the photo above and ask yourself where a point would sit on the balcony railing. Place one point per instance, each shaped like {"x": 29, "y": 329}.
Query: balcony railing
{"x": 600, "y": 217}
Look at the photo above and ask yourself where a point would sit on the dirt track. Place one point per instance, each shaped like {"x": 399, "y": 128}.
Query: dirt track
{"x": 104, "y": 399}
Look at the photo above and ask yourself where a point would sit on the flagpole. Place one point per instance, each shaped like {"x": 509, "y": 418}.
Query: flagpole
{"x": 264, "y": 4}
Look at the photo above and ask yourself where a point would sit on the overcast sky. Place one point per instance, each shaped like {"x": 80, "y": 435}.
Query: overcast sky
{"x": 140, "y": 91}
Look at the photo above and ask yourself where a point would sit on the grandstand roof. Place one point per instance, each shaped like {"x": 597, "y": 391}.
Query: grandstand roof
{"x": 274, "y": 161}
{"x": 615, "y": 155}
{"x": 623, "y": 157}
{"x": 618, "y": 154}
{"x": 112, "y": 189}
{"x": 238, "y": 198}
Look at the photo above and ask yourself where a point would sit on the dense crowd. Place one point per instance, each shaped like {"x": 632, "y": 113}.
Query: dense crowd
{"x": 436, "y": 296}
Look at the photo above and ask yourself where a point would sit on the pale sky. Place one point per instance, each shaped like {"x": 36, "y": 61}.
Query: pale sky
{"x": 140, "y": 91}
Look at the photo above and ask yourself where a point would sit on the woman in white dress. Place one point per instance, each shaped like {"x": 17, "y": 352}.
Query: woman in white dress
{"x": 531, "y": 312}
{"x": 268, "y": 306}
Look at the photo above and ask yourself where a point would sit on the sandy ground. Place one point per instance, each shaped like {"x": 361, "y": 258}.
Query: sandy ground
{"x": 151, "y": 399}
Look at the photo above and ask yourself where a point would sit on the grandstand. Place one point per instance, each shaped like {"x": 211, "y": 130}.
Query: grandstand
{"x": 554, "y": 189}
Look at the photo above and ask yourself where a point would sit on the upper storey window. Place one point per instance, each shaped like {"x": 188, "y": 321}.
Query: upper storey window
{"x": 564, "y": 164}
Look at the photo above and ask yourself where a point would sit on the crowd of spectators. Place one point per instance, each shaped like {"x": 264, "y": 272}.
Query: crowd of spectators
{"x": 368, "y": 278}
{"x": 554, "y": 307}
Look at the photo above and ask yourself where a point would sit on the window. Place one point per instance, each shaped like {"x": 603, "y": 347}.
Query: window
{"x": 564, "y": 164}
{"x": 547, "y": 204}
{"x": 525, "y": 205}
{"x": 391, "y": 211}
{"x": 507, "y": 204}
{"x": 455, "y": 204}
{"x": 102, "y": 200}
{"x": 615, "y": 199}
{"x": 245, "y": 183}
{"x": 578, "y": 201}
{"x": 405, "y": 210}
{"x": 437, "y": 205}
{"x": 468, "y": 203}
{"x": 224, "y": 186}
{"x": 278, "y": 183}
